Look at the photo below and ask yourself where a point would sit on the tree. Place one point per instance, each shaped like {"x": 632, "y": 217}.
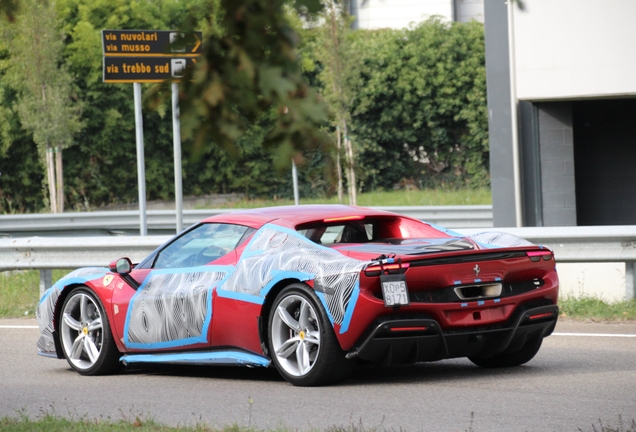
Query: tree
{"x": 21, "y": 176}
{"x": 44, "y": 105}
{"x": 250, "y": 69}
{"x": 340, "y": 78}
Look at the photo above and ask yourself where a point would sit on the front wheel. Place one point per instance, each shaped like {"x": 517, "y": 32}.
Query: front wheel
{"x": 302, "y": 343}
{"x": 524, "y": 355}
{"x": 86, "y": 336}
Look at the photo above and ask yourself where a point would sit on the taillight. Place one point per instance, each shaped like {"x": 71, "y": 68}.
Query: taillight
{"x": 537, "y": 256}
{"x": 388, "y": 268}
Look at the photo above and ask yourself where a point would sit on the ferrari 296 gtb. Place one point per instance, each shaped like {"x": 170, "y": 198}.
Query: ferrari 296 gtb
{"x": 311, "y": 290}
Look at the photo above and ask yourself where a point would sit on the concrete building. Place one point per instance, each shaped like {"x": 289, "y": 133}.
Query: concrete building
{"x": 562, "y": 103}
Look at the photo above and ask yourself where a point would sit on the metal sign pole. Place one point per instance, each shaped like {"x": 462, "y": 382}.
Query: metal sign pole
{"x": 176, "y": 132}
{"x": 136, "y": 56}
{"x": 141, "y": 169}
{"x": 295, "y": 180}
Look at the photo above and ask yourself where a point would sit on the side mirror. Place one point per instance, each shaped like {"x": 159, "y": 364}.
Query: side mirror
{"x": 121, "y": 266}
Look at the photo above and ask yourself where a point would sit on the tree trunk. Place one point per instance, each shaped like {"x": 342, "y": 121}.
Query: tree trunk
{"x": 59, "y": 177}
{"x": 348, "y": 174}
{"x": 351, "y": 177}
{"x": 50, "y": 175}
{"x": 338, "y": 167}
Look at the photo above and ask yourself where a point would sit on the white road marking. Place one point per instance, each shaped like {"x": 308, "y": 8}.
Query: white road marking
{"x": 17, "y": 327}
{"x": 595, "y": 335}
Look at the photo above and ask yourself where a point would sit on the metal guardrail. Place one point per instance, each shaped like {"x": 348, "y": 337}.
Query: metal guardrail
{"x": 110, "y": 223}
{"x": 570, "y": 245}
{"x": 48, "y": 253}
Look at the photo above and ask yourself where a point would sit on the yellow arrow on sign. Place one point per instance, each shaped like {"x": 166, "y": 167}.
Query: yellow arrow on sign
{"x": 197, "y": 44}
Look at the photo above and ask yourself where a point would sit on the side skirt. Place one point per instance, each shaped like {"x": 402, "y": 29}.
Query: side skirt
{"x": 228, "y": 358}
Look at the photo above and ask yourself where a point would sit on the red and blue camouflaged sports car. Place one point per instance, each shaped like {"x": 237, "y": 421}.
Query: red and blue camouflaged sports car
{"x": 311, "y": 289}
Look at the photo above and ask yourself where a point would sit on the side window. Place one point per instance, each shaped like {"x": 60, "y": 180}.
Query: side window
{"x": 203, "y": 244}
{"x": 350, "y": 232}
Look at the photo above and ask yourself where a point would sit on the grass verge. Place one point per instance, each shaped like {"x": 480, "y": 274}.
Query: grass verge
{"x": 621, "y": 427}
{"x": 20, "y": 292}
{"x": 54, "y": 424}
{"x": 50, "y": 423}
{"x": 595, "y": 309}
{"x": 425, "y": 197}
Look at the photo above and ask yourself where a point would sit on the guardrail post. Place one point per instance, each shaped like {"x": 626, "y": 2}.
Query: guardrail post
{"x": 46, "y": 280}
{"x": 630, "y": 280}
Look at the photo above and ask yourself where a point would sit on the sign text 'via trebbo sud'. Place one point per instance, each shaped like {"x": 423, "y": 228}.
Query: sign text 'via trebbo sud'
{"x": 148, "y": 55}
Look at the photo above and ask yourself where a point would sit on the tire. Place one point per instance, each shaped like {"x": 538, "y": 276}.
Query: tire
{"x": 86, "y": 336}
{"x": 524, "y": 355}
{"x": 301, "y": 340}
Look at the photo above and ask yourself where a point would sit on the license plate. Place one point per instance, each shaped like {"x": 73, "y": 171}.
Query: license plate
{"x": 394, "y": 290}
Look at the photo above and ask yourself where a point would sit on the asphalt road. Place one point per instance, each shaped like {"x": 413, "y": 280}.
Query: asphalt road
{"x": 575, "y": 380}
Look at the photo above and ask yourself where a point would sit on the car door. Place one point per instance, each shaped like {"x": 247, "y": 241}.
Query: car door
{"x": 172, "y": 307}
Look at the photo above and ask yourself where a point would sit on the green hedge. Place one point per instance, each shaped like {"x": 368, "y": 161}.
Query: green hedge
{"x": 421, "y": 114}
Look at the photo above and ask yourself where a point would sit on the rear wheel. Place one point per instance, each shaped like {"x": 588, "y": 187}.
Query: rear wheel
{"x": 524, "y": 355}
{"x": 85, "y": 334}
{"x": 302, "y": 343}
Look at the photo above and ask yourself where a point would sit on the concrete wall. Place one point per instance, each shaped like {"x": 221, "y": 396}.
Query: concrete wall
{"x": 575, "y": 49}
{"x": 605, "y": 281}
{"x": 557, "y": 164}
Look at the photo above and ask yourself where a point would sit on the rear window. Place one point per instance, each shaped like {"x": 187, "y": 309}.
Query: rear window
{"x": 374, "y": 229}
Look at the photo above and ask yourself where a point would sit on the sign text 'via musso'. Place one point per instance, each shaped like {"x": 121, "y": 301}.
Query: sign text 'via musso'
{"x": 151, "y": 43}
